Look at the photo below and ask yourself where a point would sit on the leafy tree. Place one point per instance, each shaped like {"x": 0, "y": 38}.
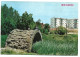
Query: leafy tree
{"x": 31, "y": 22}
{"x": 4, "y": 10}
{"x": 11, "y": 12}
{"x": 32, "y": 25}
{"x": 7, "y": 26}
{"x": 47, "y": 27}
{"x": 9, "y": 18}
{"x": 16, "y": 17}
{"x": 26, "y": 21}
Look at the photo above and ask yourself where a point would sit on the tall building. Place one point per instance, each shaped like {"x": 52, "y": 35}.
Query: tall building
{"x": 53, "y": 22}
{"x": 67, "y": 23}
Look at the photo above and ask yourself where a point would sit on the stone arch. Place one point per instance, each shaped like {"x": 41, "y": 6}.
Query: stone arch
{"x": 37, "y": 37}
{"x": 23, "y": 39}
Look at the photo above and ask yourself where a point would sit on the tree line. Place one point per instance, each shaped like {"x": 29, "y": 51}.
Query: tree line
{"x": 10, "y": 19}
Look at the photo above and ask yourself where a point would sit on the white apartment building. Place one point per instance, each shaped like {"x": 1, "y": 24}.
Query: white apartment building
{"x": 67, "y": 23}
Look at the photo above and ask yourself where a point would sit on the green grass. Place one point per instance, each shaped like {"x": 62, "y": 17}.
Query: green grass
{"x": 57, "y": 45}
{"x": 52, "y": 44}
{"x": 9, "y": 51}
{"x": 3, "y": 40}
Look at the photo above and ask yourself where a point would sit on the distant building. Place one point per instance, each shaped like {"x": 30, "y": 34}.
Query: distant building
{"x": 67, "y": 23}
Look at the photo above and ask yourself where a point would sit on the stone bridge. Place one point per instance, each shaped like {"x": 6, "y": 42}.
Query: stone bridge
{"x": 23, "y": 39}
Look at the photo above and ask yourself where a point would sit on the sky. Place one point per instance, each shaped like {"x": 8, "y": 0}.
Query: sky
{"x": 45, "y": 10}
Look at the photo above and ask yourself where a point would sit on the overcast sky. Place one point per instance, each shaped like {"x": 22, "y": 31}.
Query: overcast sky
{"x": 45, "y": 10}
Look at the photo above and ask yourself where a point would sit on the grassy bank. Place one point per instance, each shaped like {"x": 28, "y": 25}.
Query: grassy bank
{"x": 57, "y": 45}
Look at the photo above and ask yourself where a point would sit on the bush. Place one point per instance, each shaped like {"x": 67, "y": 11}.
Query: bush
{"x": 46, "y": 31}
{"x": 60, "y": 30}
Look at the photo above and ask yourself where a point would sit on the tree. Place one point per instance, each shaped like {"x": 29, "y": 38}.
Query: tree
{"x": 7, "y": 26}
{"x": 11, "y": 12}
{"x": 47, "y": 27}
{"x": 31, "y": 22}
{"x": 4, "y": 11}
{"x": 16, "y": 17}
{"x": 9, "y": 19}
{"x": 26, "y": 21}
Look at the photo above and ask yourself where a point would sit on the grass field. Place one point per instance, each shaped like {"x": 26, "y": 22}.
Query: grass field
{"x": 51, "y": 45}
{"x": 57, "y": 45}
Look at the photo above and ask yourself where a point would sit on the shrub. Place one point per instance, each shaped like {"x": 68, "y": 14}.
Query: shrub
{"x": 60, "y": 30}
{"x": 46, "y": 31}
